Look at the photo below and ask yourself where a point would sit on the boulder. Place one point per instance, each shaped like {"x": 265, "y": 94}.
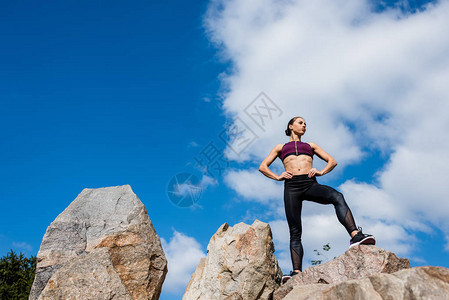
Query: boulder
{"x": 90, "y": 276}
{"x": 358, "y": 262}
{"x": 415, "y": 283}
{"x": 102, "y": 245}
{"x": 240, "y": 264}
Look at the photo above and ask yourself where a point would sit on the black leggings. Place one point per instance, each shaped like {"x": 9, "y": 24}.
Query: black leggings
{"x": 300, "y": 188}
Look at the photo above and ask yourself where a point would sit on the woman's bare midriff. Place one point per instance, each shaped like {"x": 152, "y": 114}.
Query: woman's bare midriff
{"x": 298, "y": 165}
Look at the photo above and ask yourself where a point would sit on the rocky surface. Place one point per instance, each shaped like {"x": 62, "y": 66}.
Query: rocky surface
{"x": 415, "y": 283}
{"x": 103, "y": 245}
{"x": 87, "y": 277}
{"x": 357, "y": 262}
{"x": 240, "y": 264}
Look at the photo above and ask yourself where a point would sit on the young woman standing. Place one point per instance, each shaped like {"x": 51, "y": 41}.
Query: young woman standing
{"x": 300, "y": 184}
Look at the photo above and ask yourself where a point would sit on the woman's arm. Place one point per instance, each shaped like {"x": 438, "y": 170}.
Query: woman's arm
{"x": 268, "y": 161}
{"x": 331, "y": 162}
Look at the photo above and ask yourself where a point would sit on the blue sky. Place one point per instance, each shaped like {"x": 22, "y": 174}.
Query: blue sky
{"x": 97, "y": 94}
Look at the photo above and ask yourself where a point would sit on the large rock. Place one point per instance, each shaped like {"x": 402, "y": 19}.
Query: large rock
{"x": 357, "y": 262}
{"x": 240, "y": 264}
{"x": 102, "y": 246}
{"x": 415, "y": 283}
{"x": 90, "y": 276}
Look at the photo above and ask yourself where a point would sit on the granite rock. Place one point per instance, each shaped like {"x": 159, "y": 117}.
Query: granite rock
{"x": 112, "y": 218}
{"x": 358, "y": 262}
{"x": 240, "y": 264}
{"x": 416, "y": 283}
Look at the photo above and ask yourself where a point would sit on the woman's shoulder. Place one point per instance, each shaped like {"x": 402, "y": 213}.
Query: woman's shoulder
{"x": 278, "y": 147}
{"x": 314, "y": 146}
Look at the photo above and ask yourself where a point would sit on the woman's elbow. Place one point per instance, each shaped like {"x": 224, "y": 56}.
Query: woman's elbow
{"x": 334, "y": 162}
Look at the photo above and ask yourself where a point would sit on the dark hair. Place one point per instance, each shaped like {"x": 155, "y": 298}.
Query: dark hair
{"x": 288, "y": 131}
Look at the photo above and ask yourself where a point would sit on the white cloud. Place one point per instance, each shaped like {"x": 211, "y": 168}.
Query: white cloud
{"x": 370, "y": 201}
{"x": 185, "y": 189}
{"x": 192, "y": 190}
{"x": 183, "y": 255}
{"x": 393, "y": 237}
{"x": 364, "y": 81}
{"x": 22, "y": 246}
{"x": 253, "y": 186}
{"x": 207, "y": 181}
{"x": 193, "y": 144}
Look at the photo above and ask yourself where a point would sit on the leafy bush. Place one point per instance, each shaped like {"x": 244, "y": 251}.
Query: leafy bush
{"x": 16, "y": 275}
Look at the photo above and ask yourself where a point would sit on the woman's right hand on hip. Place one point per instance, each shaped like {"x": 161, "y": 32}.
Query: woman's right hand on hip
{"x": 285, "y": 175}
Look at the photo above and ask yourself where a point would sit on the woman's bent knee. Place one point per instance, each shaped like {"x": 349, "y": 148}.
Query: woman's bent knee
{"x": 339, "y": 198}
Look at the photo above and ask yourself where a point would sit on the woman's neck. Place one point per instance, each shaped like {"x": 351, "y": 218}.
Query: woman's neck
{"x": 292, "y": 139}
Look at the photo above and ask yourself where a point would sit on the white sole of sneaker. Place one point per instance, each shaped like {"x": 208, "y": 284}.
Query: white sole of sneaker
{"x": 366, "y": 241}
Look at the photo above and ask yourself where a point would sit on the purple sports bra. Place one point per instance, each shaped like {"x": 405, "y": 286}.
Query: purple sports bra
{"x": 296, "y": 148}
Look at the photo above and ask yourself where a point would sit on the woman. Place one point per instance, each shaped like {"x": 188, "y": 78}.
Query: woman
{"x": 300, "y": 184}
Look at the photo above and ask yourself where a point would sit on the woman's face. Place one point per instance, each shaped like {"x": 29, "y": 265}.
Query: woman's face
{"x": 299, "y": 125}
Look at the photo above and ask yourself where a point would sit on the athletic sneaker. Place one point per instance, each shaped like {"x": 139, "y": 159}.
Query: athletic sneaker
{"x": 287, "y": 277}
{"x": 362, "y": 239}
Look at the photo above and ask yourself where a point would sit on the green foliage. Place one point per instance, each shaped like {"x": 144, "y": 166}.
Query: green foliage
{"x": 326, "y": 248}
{"x": 16, "y": 276}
